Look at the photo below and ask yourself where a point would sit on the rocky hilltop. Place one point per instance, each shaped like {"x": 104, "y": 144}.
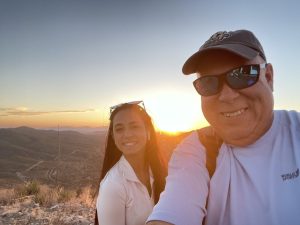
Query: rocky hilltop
{"x": 27, "y": 211}
{"x": 50, "y": 177}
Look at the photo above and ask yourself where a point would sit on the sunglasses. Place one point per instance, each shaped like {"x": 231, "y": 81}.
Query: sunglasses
{"x": 140, "y": 103}
{"x": 238, "y": 78}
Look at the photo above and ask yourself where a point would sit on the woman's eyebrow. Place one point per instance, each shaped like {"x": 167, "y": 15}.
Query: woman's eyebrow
{"x": 130, "y": 123}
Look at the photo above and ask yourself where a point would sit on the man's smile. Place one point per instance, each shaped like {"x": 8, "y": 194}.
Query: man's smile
{"x": 234, "y": 113}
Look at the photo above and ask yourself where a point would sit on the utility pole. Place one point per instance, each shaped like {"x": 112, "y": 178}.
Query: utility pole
{"x": 58, "y": 157}
{"x": 58, "y": 142}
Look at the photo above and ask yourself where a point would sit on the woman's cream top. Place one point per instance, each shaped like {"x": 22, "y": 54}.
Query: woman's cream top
{"x": 123, "y": 199}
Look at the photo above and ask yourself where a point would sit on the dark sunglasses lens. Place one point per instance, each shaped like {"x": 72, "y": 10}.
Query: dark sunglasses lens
{"x": 243, "y": 77}
{"x": 208, "y": 85}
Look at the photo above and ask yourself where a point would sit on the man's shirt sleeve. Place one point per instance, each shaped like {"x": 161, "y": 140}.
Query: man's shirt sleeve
{"x": 184, "y": 198}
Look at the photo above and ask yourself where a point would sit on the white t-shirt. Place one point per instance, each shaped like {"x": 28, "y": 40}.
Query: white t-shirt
{"x": 122, "y": 198}
{"x": 258, "y": 184}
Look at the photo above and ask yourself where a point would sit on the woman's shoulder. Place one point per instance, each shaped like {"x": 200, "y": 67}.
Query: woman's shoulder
{"x": 112, "y": 186}
{"x": 114, "y": 178}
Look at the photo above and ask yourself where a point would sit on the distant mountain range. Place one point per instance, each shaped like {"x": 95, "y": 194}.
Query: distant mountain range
{"x": 67, "y": 158}
{"x": 84, "y": 130}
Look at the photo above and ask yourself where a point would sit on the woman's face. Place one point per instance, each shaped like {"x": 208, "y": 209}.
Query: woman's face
{"x": 129, "y": 132}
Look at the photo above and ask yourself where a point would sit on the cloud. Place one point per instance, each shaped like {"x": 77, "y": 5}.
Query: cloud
{"x": 23, "y": 111}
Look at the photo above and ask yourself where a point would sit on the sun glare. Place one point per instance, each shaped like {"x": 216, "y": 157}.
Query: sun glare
{"x": 175, "y": 112}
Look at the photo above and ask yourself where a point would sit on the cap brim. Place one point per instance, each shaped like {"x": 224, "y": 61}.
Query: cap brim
{"x": 192, "y": 64}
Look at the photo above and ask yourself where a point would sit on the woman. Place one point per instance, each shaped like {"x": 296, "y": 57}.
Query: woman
{"x": 133, "y": 173}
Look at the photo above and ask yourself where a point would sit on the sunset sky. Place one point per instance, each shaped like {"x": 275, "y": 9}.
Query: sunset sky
{"x": 65, "y": 62}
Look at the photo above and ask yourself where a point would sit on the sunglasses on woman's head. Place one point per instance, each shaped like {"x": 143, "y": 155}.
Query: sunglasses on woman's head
{"x": 140, "y": 103}
{"x": 238, "y": 78}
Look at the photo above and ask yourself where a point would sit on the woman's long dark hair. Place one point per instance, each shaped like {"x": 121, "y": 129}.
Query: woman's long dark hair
{"x": 153, "y": 154}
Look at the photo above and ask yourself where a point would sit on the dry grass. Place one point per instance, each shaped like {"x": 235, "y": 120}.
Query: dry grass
{"x": 7, "y": 196}
{"x": 58, "y": 221}
{"x": 45, "y": 195}
{"x": 86, "y": 197}
{"x": 28, "y": 188}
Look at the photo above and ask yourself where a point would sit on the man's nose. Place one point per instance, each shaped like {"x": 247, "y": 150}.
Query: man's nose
{"x": 228, "y": 94}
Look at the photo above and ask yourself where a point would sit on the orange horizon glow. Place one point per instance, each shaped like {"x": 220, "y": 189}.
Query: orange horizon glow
{"x": 85, "y": 119}
{"x": 171, "y": 112}
{"x": 88, "y": 121}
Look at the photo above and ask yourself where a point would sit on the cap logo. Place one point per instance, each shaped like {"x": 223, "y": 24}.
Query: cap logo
{"x": 218, "y": 37}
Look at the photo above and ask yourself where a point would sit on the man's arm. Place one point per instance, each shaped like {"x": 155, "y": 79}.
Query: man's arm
{"x": 184, "y": 198}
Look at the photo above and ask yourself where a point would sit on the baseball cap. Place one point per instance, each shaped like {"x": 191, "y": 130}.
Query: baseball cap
{"x": 240, "y": 42}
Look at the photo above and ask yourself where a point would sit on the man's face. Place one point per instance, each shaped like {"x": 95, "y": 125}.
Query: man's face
{"x": 240, "y": 117}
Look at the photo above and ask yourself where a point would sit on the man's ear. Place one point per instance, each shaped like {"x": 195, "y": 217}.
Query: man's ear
{"x": 269, "y": 75}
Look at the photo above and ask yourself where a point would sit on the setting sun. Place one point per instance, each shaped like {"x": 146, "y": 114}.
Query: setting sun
{"x": 175, "y": 112}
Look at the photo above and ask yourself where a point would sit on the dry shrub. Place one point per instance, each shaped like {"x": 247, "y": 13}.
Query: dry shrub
{"x": 28, "y": 188}
{"x": 7, "y": 196}
{"x": 47, "y": 196}
{"x": 64, "y": 195}
{"x": 20, "y": 190}
{"x": 32, "y": 188}
{"x": 86, "y": 196}
{"x": 50, "y": 196}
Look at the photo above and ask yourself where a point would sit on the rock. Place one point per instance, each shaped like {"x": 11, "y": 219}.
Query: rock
{"x": 54, "y": 207}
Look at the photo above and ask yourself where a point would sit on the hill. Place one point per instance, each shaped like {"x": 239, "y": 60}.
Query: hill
{"x": 67, "y": 158}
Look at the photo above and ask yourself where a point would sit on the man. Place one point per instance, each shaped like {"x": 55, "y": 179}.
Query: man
{"x": 256, "y": 180}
